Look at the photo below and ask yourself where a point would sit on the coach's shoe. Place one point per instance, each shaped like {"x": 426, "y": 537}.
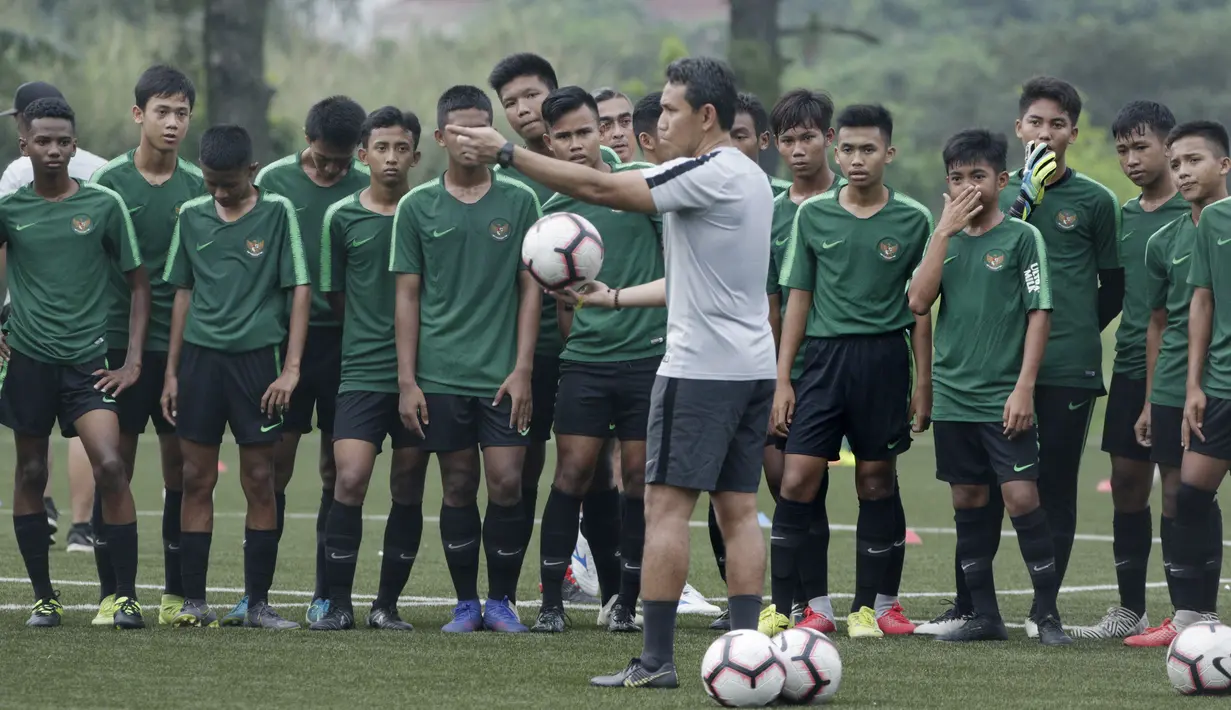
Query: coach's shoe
{"x": 692, "y": 602}
{"x": 550, "y": 621}
{"x": 572, "y": 592}
{"x": 387, "y": 620}
{"x": 499, "y": 616}
{"x": 894, "y": 622}
{"x": 127, "y": 614}
{"x": 336, "y": 619}
{"x": 949, "y": 620}
{"x": 1159, "y": 636}
{"x": 195, "y": 612}
{"x": 263, "y": 616}
{"x": 770, "y": 622}
{"x": 1119, "y": 623}
{"x": 816, "y": 622}
{"x": 1051, "y": 633}
{"x": 623, "y": 619}
{"x": 106, "y": 612}
{"x": 978, "y": 628}
{"x": 46, "y": 613}
{"x": 723, "y": 622}
{"x": 467, "y": 617}
{"x": 238, "y": 613}
{"x": 80, "y": 538}
{"x": 862, "y": 625}
{"x": 637, "y": 676}
{"x": 317, "y": 610}
{"x": 168, "y": 607}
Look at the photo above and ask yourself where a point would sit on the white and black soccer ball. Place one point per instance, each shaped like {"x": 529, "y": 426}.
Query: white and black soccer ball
{"x": 1199, "y": 660}
{"x": 813, "y": 666}
{"x": 742, "y": 669}
{"x": 562, "y": 250}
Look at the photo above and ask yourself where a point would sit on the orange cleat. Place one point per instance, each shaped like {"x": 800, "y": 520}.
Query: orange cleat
{"x": 1154, "y": 637}
{"x": 895, "y": 623}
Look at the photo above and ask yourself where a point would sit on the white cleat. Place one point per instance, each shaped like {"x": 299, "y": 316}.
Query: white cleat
{"x": 1032, "y": 628}
{"x": 948, "y": 621}
{"x": 691, "y": 602}
{"x": 584, "y": 571}
{"x": 604, "y": 614}
{"x": 1119, "y": 623}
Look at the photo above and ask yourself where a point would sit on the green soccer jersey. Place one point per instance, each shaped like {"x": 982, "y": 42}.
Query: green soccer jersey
{"x": 988, "y": 287}
{"x": 468, "y": 256}
{"x": 355, "y": 244}
{"x": 237, "y": 271}
{"x": 1167, "y": 261}
{"x": 780, "y": 237}
{"x": 778, "y": 185}
{"x": 1211, "y": 268}
{"x": 857, "y": 269}
{"x": 1137, "y": 226}
{"x": 287, "y": 178}
{"x": 632, "y": 246}
{"x": 60, "y": 258}
{"x": 1080, "y": 222}
{"x": 153, "y": 210}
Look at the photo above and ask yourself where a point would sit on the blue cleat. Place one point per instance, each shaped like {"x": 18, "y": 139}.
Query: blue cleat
{"x": 499, "y": 616}
{"x": 317, "y": 610}
{"x": 467, "y": 617}
{"x": 237, "y": 615}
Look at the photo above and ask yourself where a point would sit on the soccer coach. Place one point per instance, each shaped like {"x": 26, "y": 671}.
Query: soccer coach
{"x": 711, "y": 400}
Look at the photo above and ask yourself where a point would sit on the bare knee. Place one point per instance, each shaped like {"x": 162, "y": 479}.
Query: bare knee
{"x": 573, "y": 475}
{"x": 328, "y": 466}
{"x": 110, "y": 474}
{"x": 875, "y": 480}
{"x": 1171, "y": 489}
{"x": 967, "y": 497}
{"x": 1131, "y": 484}
{"x": 351, "y": 487}
{"x": 32, "y": 474}
{"x": 802, "y": 477}
{"x": 459, "y": 478}
{"x": 1020, "y": 497}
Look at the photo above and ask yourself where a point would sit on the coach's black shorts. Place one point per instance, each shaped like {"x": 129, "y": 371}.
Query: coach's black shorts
{"x": 858, "y": 387}
{"x": 460, "y": 422}
{"x": 320, "y": 376}
{"x": 1166, "y": 435}
{"x": 544, "y": 382}
{"x": 597, "y": 399}
{"x": 708, "y": 435}
{"x": 33, "y": 394}
{"x": 1124, "y": 402}
{"x": 1217, "y": 430}
{"x": 142, "y": 402}
{"x": 978, "y": 453}
{"x": 371, "y": 416}
{"x": 218, "y": 388}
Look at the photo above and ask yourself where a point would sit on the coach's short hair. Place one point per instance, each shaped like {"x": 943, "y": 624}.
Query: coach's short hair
{"x": 707, "y": 81}
{"x": 226, "y": 147}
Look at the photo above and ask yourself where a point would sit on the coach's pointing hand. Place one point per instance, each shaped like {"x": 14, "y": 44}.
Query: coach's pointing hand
{"x": 483, "y": 142}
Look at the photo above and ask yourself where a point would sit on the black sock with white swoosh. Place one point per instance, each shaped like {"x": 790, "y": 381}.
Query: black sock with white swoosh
{"x": 460, "y": 530}
{"x": 505, "y": 550}
{"x": 173, "y": 583}
{"x": 874, "y": 545}
{"x": 403, "y": 532}
{"x": 556, "y": 542}
{"x": 343, "y": 533}
{"x": 1039, "y": 552}
{"x": 260, "y": 559}
{"x": 975, "y": 555}
{"x": 632, "y": 545}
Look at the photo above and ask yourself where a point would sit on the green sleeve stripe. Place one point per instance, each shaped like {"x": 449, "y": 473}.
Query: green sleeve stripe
{"x": 911, "y": 202}
{"x": 792, "y": 242}
{"x": 1040, "y": 250}
{"x": 610, "y": 155}
{"x": 1110, "y": 194}
{"x": 1173, "y": 223}
{"x": 518, "y": 183}
{"x": 130, "y": 231}
{"x": 327, "y": 243}
{"x": 780, "y": 197}
{"x": 280, "y": 162}
{"x": 174, "y": 250}
{"x": 190, "y": 168}
{"x": 111, "y": 165}
{"x": 632, "y": 165}
{"x": 554, "y": 201}
{"x": 298, "y": 258}
{"x": 359, "y": 166}
{"x": 397, "y": 214}
{"x": 779, "y": 182}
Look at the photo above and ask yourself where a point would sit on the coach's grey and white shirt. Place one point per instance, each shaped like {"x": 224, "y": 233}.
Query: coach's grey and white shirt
{"x": 716, "y": 231}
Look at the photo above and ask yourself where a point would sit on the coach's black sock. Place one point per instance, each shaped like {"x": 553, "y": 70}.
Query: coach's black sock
{"x": 1190, "y": 552}
{"x": 1213, "y": 561}
{"x": 460, "y": 530}
{"x": 102, "y": 551}
{"x": 322, "y": 516}
{"x": 1132, "y": 535}
{"x": 34, "y": 541}
{"x": 1167, "y": 533}
{"x": 280, "y": 511}
{"x": 632, "y": 544}
{"x": 787, "y": 536}
{"x": 556, "y": 541}
{"x": 122, "y": 539}
{"x": 194, "y": 562}
{"x": 343, "y": 535}
{"x": 874, "y": 542}
{"x": 659, "y": 630}
{"x": 1039, "y": 553}
{"x": 260, "y": 560}
{"x": 502, "y": 543}
{"x": 403, "y": 532}
{"x": 602, "y": 521}
{"x": 897, "y": 557}
{"x": 975, "y": 562}
{"x": 813, "y": 562}
{"x": 717, "y": 544}
{"x": 172, "y": 504}
{"x": 744, "y": 609}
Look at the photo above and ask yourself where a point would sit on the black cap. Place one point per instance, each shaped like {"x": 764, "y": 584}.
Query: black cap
{"x": 30, "y": 92}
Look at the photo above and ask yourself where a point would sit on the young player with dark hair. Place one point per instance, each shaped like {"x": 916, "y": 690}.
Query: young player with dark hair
{"x": 991, "y": 332}
{"x": 615, "y": 122}
{"x": 356, "y": 238}
{"x": 851, "y": 254}
{"x": 1140, "y": 131}
{"x": 645, "y": 125}
{"x": 750, "y": 133}
{"x": 606, "y": 375}
{"x": 234, "y": 254}
{"x": 467, "y": 318}
{"x": 63, "y": 239}
{"x": 1080, "y": 222}
{"x": 154, "y": 181}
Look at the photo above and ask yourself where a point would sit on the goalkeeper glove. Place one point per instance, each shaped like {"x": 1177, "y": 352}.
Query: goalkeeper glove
{"x": 1040, "y": 167}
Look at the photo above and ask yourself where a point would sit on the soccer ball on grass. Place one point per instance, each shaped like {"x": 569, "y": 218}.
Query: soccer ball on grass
{"x": 562, "y": 250}
{"x": 813, "y": 667}
{"x": 1199, "y": 660}
{"x": 742, "y": 669}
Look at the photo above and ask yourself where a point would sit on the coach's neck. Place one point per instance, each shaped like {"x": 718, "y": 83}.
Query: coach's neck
{"x": 711, "y": 141}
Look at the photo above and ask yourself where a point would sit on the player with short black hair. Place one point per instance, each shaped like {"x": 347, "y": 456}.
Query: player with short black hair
{"x": 234, "y": 254}
{"x": 313, "y": 179}
{"x": 467, "y": 319}
{"x": 355, "y": 243}
{"x": 850, "y": 257}
{"x": 645, "y": 125}
{"x": 615, "y": 122}
{"x": 990, "y": 273}
{"x": 750, "y": 131}
{"x": 155, "y": 182}
{"x": 63, "y": 237}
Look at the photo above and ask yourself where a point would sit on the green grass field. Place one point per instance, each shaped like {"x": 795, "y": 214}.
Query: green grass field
{"x": 81, "y": 666}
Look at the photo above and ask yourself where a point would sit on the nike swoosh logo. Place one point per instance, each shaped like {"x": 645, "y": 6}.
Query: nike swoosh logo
{"x": 557, "y": 563}
{"x": 406, "y": 558}
{"x": 632, "y": 568}
{"x": 1181, "y": 260}
{"x": 947, "y": 260}
{"x": 172, "y": 548}
{"x": 879, "y": 552}
{"x": 441, "y": 234}
{"x": 1074, "y": 406}
{"x": 361, "y": 242}
{"x": 894, "y": 445}
{"x": 462, "y": 546}
{"x": 336, "y": 556}
{"x": 1040, "y": 569}
{"x": 630, "y": 683}
{"x": 300, "y": 209}
{"x": 24, "y": 226}
{"x": 1126, "y": 236}
{"x": 781, "y": 242}
{"x": 775, "y": 537}
{"x": 270, "y": 427}
{"x": 202, "y": 246}
{"x": 1121, "y": 563}
{"x": 831, "y": 245}
{"x": 107, "y": 399}
{"x": 1019, "y": 469}
{"x": 135, "y": 210}
{"x": 502, "y": 553}
{"x": 968, "y": 566}
{"x": 1224, "y": 241}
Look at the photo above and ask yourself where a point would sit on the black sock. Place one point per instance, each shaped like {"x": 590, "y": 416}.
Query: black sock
{"x": 975, "y": 562}
{"x": 786, "y": 540}
{"x": 556, "y": 542}
{"x": 632, "y": 543}
{"x": 173, "y": 583}
{"x": 260, "y": 560}
{"x": 1167, "y": 533}
{"x": 897, "y": 557}
{"x": 343, "y": 535}
{"x": 1190, "y": 550}
{"x": 34, "y": 541}
{"x": 717, "y": 545}
{"x": 874, "y": 542}
{"x": 813, "y": 565}
{"x": 602, "y": 510}
{"x": 280, "y": 511}
{"x": 102, "y": 552}
{"x": 122, "y": 539}
{"x": 1038, "y": 551}
{"x": 529, "y": 505}
{"x": 403, "y": 532}
{"x": 659, "y": 648}
{"x": 322, "y": 516}
{"x": 1131, "y": 540}
{"x": 1213, "y": 561}
{"x": 194, "y": 562}
{"x": 502, "y": 543}
{"x": 744, "y": 608}
{"x": 460, "y": 530}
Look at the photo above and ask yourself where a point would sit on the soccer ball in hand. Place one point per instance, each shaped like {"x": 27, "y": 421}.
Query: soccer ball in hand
{"x": 1199, "y": 660}
{"x": 742, "y": 669}
{"x": 562, "y": 250}
{"x": 813, "y": 667}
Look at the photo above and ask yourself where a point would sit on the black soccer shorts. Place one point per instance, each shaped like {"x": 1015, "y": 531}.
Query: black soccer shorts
{"x": 459, "y": 422}
{"x": 142, "y": 403}
{"x": 1217, "y": 430}
{"x": 597, "y": 399}
{"x": 1124, "y": 402}
{"x": 1166, "y": 435}
{"x": 371, "y": 416}
{"x": 319, "y": 379}
{"x": 34, "y": 394}
{"x": 544, "y": 383}
{"x": 218, "y": 388}
{"x": 979, "y": 453}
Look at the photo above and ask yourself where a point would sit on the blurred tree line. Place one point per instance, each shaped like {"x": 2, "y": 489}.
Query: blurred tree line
{"x": 939, "y": 65}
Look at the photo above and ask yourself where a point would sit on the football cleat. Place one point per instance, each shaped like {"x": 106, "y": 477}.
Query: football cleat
{"x": 816, "y": 622}
{"x": 894, "y": 622}
{"x": 168, "y": 607}
{"x": 550, "y": 621}
{"x": 387, "y": 620}
{"x": 263, "y": 616}
{"x": 604, "y": 614}
{"x": 336, "y": 619}
{"x": 723, "y": 622}
{"x": 127, "y": 614}
{"x": 46, "y": 613}
{"x": 770, "y": 622}
{"x": 80, "y": 538}
{"x": 1159, "y": 636}
{"x": 238, "y": 613}
{"x": 1032, "y": 628}
{"x": 582, "y": 569}
{"x": 797, "y": 612}
{"x": 978, "y": 628}
{"x": 572, "y": 592}
{"x": 1119, "y": 623}
{"x": 692, "y": 602}
{"x": 106, "y": 612}
{"x": 467, "y": 617}
{"x": 948, "y": 620}
{"x": 623, "y": 620}
{"x": 499, "y": 616}
{"x": 318, "y": 609}
{"x": 862, "y": 625}
{"x": 636, "y": 676}
{"x": 1051, "y": 633}
{"x": 195, "y": 613}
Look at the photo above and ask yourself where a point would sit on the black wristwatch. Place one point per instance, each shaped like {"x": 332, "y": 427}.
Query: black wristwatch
{"x": 505, "y": 157}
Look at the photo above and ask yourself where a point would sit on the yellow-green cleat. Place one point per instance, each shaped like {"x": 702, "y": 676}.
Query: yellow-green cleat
{"x": 862, "y": 625}
{"x": 771, "y": 622}
{"x": 46, "y": 613}
{"x": 168, "y": 608}
{"x": 127, "y": 614}
{"x": 106, "y": 612}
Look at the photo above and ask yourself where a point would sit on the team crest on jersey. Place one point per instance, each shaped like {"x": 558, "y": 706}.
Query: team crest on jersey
{"x": 1066, "y": 219}
{"x": 82, "y": 224}
{"x": 500, "y": 229}
{"x": 255, "y": 247}
{"x": 994, "y": 260}
{"x": 888, "y": 248}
